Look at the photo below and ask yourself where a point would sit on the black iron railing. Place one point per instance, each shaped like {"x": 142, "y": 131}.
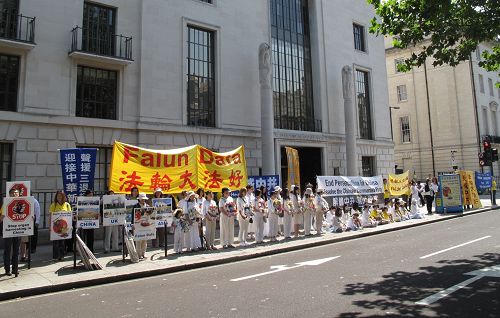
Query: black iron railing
{"x": 298, "y": 123}
{"x": 101, "y": 43}
{"x": 17, "y": 27}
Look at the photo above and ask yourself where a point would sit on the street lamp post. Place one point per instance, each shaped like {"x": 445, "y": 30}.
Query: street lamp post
{"x": 390, "y": 119}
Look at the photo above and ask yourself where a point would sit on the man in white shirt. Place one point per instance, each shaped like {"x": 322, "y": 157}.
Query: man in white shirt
{"x": 226, "y": 219}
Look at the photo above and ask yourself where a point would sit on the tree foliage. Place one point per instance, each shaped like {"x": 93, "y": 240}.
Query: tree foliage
{"x": 448, "y": 30}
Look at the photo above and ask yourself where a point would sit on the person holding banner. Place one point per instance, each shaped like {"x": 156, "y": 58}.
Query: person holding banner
{"x": 259, "y": 217}
{"x": 309, "y": 210}
{"x": 244, "y": 215}
{"x": 88, "y": 234}
{"x": 210, "y": 213}
{"x": 11, "y": 245}
{"x": 111, "y": 234}
{"x": 141, "y": 246}
{"x": 227, "y": 209}
{"x": 298, "y": 218}
{"x": 60, "y": 204}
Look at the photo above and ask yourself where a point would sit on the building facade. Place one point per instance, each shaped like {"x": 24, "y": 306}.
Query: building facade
{"x": 441, "y": 114}
{"x": 166, "y": 74}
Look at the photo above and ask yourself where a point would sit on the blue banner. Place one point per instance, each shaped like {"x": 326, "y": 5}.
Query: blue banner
{"x": 267, "y": 181}
{"x": 483, "y": 180}
{"x": 78, "y": 169}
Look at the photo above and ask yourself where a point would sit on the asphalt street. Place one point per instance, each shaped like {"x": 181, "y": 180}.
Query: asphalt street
{"x": 417, "y": 272}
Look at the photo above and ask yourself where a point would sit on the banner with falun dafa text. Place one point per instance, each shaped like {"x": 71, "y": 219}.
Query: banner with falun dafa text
{"x": 176, "y": 170}
{"x": 399, "y": 184}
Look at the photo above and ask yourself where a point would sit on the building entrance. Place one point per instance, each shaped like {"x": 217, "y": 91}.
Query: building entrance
{"x": 310, "y": 162}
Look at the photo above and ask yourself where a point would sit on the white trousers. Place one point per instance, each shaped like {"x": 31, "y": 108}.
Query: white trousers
{"x": 258, "y": 220}
{"x": 227, "y": 229}
{"x": 307, "y": 222}
{"x": 141, "y": 246}
{"x": 273, "y": 224}
{"x": 319, "y": 221}
{"x": 210, "y": 228}
{"x": 111, "y": 235}
{"x": 243, "y": 229}
{"x": 287, "y": 225}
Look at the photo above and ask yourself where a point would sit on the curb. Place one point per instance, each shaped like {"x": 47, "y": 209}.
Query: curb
{"x": 161, "y": 271}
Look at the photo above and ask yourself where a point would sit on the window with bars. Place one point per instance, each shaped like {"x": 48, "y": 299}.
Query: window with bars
{"x": 402, "y": 96}
{"x": 9, "y": 82}
{"x": 96, "y": 93}
{"x": 6, "y": 150}
{"x": 98, "y": 32}
{"x": 201, "y": 77}
{"x": 368, "y": 166}
{"x": 291, "y": 59}
{"x": 102, "y": 168}
{"x": 364, "y": 104}
{"x": 359, "y": 37}
{"x": 405, "y": 129}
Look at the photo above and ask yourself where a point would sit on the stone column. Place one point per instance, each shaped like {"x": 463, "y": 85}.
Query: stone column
{"x": 266, "y": 111}
{"x": 350, "y": 121}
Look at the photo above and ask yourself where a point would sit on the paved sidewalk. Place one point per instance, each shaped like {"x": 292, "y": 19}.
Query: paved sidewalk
{"x": 46, "y": 275}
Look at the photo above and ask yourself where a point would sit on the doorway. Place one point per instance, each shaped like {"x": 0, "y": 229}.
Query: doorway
{"x": 310, "y": 163}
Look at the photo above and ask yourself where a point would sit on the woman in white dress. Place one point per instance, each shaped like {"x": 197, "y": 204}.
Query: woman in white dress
{"x": 259, "y": 216}
{"x": 251, "y": 202}
{"x": 192, "y": 238}
{"x": 309, "y": 210}
{"x": 244, "y": 215}
{"x": 288, "y": 212}
{"x": 321, "y": 209}
{"x": 210, "y": 213}
{"x": 415, "y": 212}
{"x": 273, "y": 207}
{"x": 298, "y": 217}
{"x": 366, "y": 219}
{"x": 200, "y": 199}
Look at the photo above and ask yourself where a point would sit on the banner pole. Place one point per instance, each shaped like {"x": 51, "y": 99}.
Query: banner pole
{"x": 29, "y": 251}
{"x": 123, "y": 243}
{"x": 74, "y": 247}
{"x": 165, "y": 234}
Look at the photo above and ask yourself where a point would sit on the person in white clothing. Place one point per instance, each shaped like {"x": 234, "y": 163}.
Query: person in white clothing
{"x": 259, "y": 216}
{"x": 177, "y": 224}
{"x": 244, "y": 215}
{"x": 415, "y": 199}
{"x": 287, "y": 215}
{"x": 200, "y": 198}
{"x": 309, "y": 210}
{"x": 227, "y": 213}
{"x": 298, "y": 217}
{"x": 192, "y": 239}
{"x": 366, "y": 219}
{"x": 321, "y": 209}
{"x": 210, "y": 213}
{"x": 251, "y": 202}
{"x": 274, "y": 207}
{"x": 354, "y": 223}
{"x": 111, "y": 234}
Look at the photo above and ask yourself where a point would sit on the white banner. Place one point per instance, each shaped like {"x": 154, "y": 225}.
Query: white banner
{"x": 350, "y": 186}
{"x": 19, "y": 213}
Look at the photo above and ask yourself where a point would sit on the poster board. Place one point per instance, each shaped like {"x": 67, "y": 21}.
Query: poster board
{"x": 450, "y": 194}
{"x": 113, "y": 209}
{"x": 19, "y": 213}
{"x": 88, "y": 210}
{"x": 144, "y": 224}
{"x": 61, "y": 226}
{"x": 163, "y": 211}
{"x": 24, "y": 187}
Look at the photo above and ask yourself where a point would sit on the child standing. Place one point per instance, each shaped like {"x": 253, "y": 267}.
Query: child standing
{"x": 178, "y": 231}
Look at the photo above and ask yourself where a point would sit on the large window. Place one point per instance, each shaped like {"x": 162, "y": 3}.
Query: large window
{"x": 359, "y": 37}
{"x": 291, "y": 59}
{"x": 96, "y": 93}
{"x": 364, "y": 104}
{"x": 5, "y": 166}
{"x": 402, "y": 96}
{"x": 201, "y": 77}
{"x": 9, "y": 82}
{"x": 481, "y": 83}
{"x": 368, "y": 166}
{"x": 98, "y": 34}
{"x": 405, "y": 129}
{"x": 8, "y": 18}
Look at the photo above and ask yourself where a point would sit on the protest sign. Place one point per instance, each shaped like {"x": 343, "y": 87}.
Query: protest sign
{"x": 450, "y": 193}
{"x": 269, "y": 182}
{"x": 292, "y": 158}
{"x": 88, "y": 209}
{"x": 350, "y": 186}
{"x": 469, "y": 191}
{"x": 113, "y": 212}
{"x": 176, "y": 170}
{"x": 78, "y": 168}
{"x": 129, "y": 212}
{"x": 24, "y": 187}
{"x": 483, "y": 180}
{"x": 61, "y": 226}
{"x": 399, "y": 184}
{"x": 163, "y": 211}
{"x": 144, "y": 224}
{"x": 19, "y": 213}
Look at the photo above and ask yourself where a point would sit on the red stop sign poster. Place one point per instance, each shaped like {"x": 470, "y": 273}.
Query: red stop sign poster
{"x": 24, "y": 187}
{"x": 19, "y": 214}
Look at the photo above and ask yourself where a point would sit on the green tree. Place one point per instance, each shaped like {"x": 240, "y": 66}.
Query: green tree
{"x": 448, "y": 30}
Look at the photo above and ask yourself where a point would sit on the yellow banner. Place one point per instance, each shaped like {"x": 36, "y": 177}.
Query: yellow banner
{"x": 469, "y": 190}
{"x": 292, "y": 156}
{"x": 176, "y": 170}
{"x": 399, "y": 184}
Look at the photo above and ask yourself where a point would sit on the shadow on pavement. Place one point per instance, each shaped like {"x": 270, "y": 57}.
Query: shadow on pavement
{"x": 396, "y": 294}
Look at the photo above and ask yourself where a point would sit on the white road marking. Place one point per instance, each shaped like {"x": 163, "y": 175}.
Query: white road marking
{"x": 280, "y": 268}
{"x": 456, "y": 246}
{"x": 433, "y": 298}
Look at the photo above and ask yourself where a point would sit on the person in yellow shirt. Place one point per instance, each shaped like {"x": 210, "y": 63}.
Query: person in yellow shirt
{"x": 387, "y": 192}
{"x": 11, "y": 245}
{"x": 60, "y": 204}
{"x": 493, "y": 192}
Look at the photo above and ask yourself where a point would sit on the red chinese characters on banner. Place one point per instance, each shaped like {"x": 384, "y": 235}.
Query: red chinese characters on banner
{"x": 213, "y": 179}
{"x": 186, "y": 180}
{"x": 157, "y": 181}
{"x": 235, "y": 178}
{"x": 130, "y": 181}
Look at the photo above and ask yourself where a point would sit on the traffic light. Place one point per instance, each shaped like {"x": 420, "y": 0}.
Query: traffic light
{"x": 486, "y": 144}
{"x": 487, "y": 151}
{"x": 482, "y": 161}
{"x": 494, "y": 154}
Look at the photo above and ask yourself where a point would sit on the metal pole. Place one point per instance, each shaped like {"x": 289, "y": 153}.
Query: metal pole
{"x": 74, "y": 247}
{"x": 474, "y": 103}
{"x": 390, "y": 120}
{"x": 166, "y": 236}
{"x": 430, "y": 121}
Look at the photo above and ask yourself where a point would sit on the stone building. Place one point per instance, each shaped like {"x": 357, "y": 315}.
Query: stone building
{"x": 440, "y": 114}
{"x": 166, "y": 74}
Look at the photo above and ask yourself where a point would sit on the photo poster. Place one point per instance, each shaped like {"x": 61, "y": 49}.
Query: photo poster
{"x": 19, "y": 212}
{"x": 113, "y": 209}
{"x": 163, "y": 211}
{"x": 144, "y": 224}
{"x": 129, "y": 212}
{"x": 88, "y": 210}
{"x": 450, "y": 193}
{"x": 61, "y": 226}
{"x": 24, "y": 187}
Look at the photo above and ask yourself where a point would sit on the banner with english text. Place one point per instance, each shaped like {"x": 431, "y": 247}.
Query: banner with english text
{"x": 176, "y": 170}
{"x": 350, "y": 186}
